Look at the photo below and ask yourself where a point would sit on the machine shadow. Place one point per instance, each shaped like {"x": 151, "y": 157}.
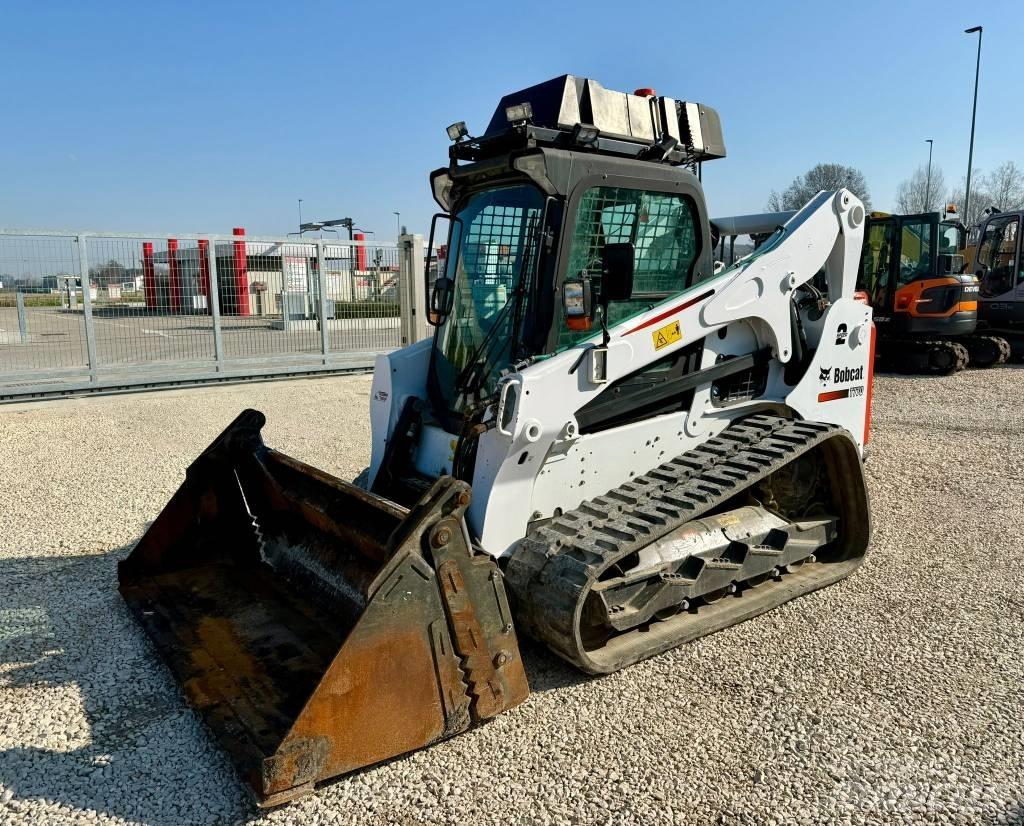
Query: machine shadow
{"x": 129, "y": 736}
{"x": 545, "y": 671}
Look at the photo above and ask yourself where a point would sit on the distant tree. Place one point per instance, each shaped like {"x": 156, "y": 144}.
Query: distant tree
{"x": 775, "y": 202}
{"x": 1005, "y": 186}
{"x": 112, "y": 272}
{"x": 827, "y": 176}
{"x": 916, "y": 195}
{"x": 1002, "y": 188}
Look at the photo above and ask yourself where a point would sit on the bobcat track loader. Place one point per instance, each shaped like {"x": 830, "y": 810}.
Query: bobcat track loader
{"x": 606, "y": 444}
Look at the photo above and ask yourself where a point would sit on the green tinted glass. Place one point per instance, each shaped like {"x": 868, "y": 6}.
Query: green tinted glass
{"x": 664, "y": 231}
{"x": 915, "y": 251}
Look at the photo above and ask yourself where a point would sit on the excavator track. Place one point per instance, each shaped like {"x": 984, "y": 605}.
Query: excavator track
{"x": 1014, "y": 338}
{"x": 567, "y": 574}
{"x": 986, "y": 350}
{"x": 939, "y": 357}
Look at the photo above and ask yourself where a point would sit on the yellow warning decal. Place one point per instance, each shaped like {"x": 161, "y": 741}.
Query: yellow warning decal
{"x": 664, "y": 336}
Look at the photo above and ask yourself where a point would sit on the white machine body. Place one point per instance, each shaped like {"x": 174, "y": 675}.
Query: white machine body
{"x": 535, "y": 463}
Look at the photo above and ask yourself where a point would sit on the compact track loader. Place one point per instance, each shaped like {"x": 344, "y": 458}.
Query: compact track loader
{"x": 925, "y": 304}
{"x": 607, "y": 444}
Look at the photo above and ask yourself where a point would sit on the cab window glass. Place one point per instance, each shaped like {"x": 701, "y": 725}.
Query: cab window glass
{"x": 665, "y": 233}
{"x": 951, "y": 239}
{"x": 876, "y": 256}
{"x": 997, "y": 258}
{"x": 915, "y": 251}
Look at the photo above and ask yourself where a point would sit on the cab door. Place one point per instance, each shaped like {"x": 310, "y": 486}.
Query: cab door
{"x": 876, "y": 264}
{"x": 914, "y": 257}
{"x": 998, "y": 264}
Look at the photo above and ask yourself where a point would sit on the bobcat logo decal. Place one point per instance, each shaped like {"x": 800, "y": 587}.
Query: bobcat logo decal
{"x": 823, "y": 374}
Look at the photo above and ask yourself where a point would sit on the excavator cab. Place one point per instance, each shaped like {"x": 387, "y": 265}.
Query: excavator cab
{"x": 999, "y": 266}
{"x": 912, "y": 271}
{"x": 996, "y": 251}
{"x": 926, "y": 304}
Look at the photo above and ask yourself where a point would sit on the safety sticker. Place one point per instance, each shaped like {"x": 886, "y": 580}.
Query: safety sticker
{"x": 669, "y": 334}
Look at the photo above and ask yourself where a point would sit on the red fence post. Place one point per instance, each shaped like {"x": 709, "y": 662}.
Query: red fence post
{"x": 174, "y": 274}
{"x": 241, "y": 274}
{"x": 148, "y": 275}
{"x": 204, "y": 271}
{"x": 360, "y": 252}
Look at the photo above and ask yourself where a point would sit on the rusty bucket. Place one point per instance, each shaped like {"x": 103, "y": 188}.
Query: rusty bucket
{"x": 316, "y": 627}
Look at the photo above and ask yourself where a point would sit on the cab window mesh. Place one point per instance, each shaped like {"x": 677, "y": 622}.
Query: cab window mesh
{"x": 664, "y": 231}
{"x": 496, "y": 243}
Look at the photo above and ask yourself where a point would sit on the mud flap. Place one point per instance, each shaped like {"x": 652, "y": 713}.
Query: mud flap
{"x": 316, "y": 627}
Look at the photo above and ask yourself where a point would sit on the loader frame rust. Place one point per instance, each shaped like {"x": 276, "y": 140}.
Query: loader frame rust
{"x": 318, "y": 628}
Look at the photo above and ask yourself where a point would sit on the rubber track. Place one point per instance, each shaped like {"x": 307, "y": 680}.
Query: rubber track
{"x": 554, "y": 566}
{"x": 1001, "y": 345}
{"x": 896, "y": 349}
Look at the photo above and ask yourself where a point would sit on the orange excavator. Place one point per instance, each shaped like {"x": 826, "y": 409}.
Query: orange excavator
{"x": 926, "y": 306}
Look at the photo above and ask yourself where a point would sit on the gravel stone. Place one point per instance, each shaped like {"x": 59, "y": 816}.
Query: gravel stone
{"x": 893, "y": 697}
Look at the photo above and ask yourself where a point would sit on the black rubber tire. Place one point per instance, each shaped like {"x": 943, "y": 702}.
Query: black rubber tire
{"x": 943, "y": 360}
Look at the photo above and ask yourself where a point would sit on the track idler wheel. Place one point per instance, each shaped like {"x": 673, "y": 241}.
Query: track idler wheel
{"x": 947, "y": 357}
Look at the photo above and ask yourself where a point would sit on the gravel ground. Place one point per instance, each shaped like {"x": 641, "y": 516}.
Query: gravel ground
{"x": 893, "y": 697}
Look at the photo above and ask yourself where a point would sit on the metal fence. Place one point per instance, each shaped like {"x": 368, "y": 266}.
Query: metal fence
{"x": 92, "y": 311}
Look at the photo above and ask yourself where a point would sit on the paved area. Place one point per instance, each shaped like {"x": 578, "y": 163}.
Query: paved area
{"x": 893, "y": 697}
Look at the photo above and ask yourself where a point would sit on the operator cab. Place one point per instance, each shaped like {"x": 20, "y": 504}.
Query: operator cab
{"x": 913, "y": 273}
{"x": 999, "y": 265}
{"x": 557, "y": 228}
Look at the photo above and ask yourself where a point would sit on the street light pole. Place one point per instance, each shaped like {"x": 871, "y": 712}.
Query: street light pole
{"x": 398, "y": 224}
{"x": 974, "y": 113}
{"x": 928, "y": 185}
{"x": 300, "y": 216}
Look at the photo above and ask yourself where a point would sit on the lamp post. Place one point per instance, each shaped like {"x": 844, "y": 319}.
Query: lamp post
{"x": 398, "y": 224}
{"x": 974, "y": 112}
{"x": 928, "y": 184}
{"x": 300, "y": 216}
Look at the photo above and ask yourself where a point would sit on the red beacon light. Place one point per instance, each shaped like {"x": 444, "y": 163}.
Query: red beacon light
{"x": 645, "y": 92}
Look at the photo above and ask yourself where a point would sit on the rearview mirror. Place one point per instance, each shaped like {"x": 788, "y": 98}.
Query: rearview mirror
{"x": 441, "y": 296}
{"x": 440, "y": 301}
{"x": 616, "y": 272}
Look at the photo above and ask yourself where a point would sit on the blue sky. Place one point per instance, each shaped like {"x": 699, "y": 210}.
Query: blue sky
{"x": 197, "y": 117}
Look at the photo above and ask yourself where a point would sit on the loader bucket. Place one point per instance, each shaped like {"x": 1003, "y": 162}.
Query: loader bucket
{"x": 316, "y": 627}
